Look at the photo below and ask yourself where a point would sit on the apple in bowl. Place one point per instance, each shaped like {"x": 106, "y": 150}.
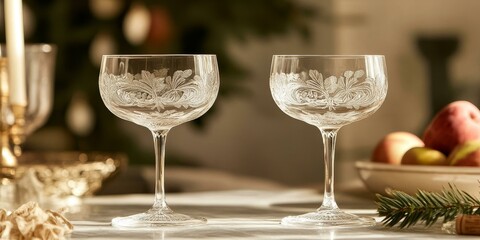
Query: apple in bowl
{"x": 424, "y": 156}
{"x": 455, "y": 124}
{"x": 452, "y": 138}
{"x": 393, "y": 146}
{"x": 466, "y": 154}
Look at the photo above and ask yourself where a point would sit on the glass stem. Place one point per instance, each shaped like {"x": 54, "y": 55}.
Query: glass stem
{"x": 329, "y": 136}
{"x": 159, "y": 140}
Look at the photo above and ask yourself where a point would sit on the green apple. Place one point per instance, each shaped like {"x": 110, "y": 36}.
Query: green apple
{"x": 424, "y": 156}
{"x": 466, "y": 154}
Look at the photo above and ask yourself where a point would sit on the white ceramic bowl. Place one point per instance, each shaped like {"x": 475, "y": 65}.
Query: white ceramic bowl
{"x": 409, "y": 178}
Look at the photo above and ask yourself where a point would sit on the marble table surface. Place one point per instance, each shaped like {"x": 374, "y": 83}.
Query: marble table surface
{"x": 238, "y": 214}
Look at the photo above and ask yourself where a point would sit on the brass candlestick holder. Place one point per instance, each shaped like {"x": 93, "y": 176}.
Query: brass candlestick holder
{"x": 18, "y": 121}
{"x": 17, "y": 130}
{"x": 8, "y": 163}
{"x": 16, "y": 133}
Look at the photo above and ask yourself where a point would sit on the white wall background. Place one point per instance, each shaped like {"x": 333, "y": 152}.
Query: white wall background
{"x": 251, "y": 136}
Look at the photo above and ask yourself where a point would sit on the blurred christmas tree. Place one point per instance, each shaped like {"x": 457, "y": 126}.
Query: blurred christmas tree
{"x": 85, "y": 30}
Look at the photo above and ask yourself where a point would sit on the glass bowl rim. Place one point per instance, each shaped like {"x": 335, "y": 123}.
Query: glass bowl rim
{"x": 325, "y": 56}
{"x": 36, "y": 47}
{"x": 155, "y": 55}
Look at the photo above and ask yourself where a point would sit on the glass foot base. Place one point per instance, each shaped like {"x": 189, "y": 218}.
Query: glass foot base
{"x": 328, "y": 219}
{"x": 154, "y": 220}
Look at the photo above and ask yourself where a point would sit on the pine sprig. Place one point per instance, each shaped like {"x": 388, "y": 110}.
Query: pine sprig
{"x": 406, "y": 210}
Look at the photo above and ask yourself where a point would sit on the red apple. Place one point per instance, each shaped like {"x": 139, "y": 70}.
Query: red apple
{"x": 423, "y": 156}
{"x": 393, "y": 146}
{"x": 467, "y": 154}
{"x": 455, "y": 124}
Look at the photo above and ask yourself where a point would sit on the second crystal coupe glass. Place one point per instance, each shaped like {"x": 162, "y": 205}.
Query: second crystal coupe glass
{"x": 328, "y": 92}
{"x": 158, "y": 92}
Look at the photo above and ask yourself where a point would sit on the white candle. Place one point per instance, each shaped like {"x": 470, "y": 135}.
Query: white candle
{"x": 15, "y": 52}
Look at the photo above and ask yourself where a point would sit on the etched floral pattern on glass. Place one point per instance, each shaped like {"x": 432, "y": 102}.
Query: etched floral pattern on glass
{"x": 313, "y": 98}
{"x": 154, "y": 95}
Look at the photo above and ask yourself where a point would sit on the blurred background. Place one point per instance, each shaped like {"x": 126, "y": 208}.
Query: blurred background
{"x": 431, "y": 48}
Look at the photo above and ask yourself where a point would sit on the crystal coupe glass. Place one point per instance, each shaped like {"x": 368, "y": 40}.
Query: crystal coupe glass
{"x": 328, "y": 92}
{"x": 158, "y": 92}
